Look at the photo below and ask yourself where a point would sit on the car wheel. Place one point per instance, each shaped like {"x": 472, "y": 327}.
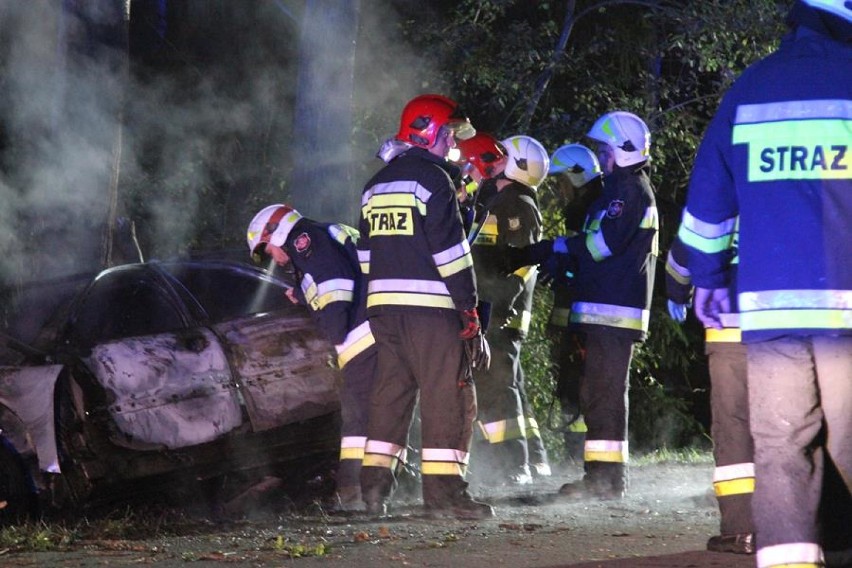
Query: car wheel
{"x": 17, "y": 496}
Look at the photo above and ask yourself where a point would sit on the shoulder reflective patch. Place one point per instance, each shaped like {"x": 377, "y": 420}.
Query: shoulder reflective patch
{"x": 796, "y": 140}
{"x": 391, "y": 221}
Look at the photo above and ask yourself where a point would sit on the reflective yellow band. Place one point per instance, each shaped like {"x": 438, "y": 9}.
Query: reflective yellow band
{"x": 520, "y": 321}
{"x": 578, "y": 426}
{"x": 349, "y": 351}
{"x": 380, "y": 460}
{"x": 613, "y": 451}
{"x": 456, "y": 266}
{"x": 351, "y": 453}
{"x": 728, "y": 335}
{"x": 734, "y": 487}
{"x": 531, "y": 425}
{"x": 503, "y": 430}
{"x": 442, "y": 468}
{"x": 407, "y": 299}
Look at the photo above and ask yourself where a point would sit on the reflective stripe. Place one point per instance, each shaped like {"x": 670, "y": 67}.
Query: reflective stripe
{"x": 792, "y": 110}
{"x": 597, "y": 246}
{"x": 559, "y": 316}
{"x": 520, "y": 321}
{"x": 382, "y": 454}
{"x": 352, "y": 447}
{"x": 709, "y": 238}
{"x": 386, "y": 448}
{"x": 379, "y": 460}
{"x": 357, "y": 340}
{"x": 607, "y": 314}
{"x": 444, "y": 461}
{"x": 395, "y": 291}
{"x": 727, "y": 335}
{"x": 395, "y": 194}
{"x": 791, "y": 555}
{"x": 531, "y": 426}
{"x": 401, "y": 299}
{"x": 681, "y": 274}
{"x": 341, "y": 233}
{"x": 613, "y": 451}
{"x": 796, "y": 309}
{"x": 442, "y": 468}
{"x": 526, "y": 273}
{"x": 452, "y": 254}
{"x": 446, "y": 454}
{"x": 731, "y": 333}
{"x": 578, "y": 426}
{"x": 504, "y": 430}
{"x": 455, "y": 266}
{"x": 735, "y": 479}
{"x": 405, "y": 285}
{"x": 334, "y": 290}
{"x": 487, "y": 235}
{"x": 364, "y": 261}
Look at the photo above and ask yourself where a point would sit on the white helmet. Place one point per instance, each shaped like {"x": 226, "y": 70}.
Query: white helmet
{"x": 271, "y": 225}
{"x": 577, "y": 162}
{"x": 840, "y": 8}
{"x": 527, "y": 160}
{"x": 626, "y": 134}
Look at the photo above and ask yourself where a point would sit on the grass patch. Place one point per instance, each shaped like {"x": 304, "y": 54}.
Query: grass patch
{"x": 679, "y": 455}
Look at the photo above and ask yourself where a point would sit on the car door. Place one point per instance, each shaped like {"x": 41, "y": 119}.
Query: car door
{"x": 165, "y": 381}
{"x": 286, "y": 371}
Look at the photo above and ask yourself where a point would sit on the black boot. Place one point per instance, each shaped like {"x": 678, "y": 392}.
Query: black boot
{"x": 603, "y": 481}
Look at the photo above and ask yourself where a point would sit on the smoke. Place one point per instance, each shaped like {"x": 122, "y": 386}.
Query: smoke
{"x": 202, "y": 116}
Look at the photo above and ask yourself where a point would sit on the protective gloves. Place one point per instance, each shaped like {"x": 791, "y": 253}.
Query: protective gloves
{"x": 532, "y": 254}
{"x": 677, "y": 311}
{"x": 470, "y": 324}
{"x": 478, "y": 352}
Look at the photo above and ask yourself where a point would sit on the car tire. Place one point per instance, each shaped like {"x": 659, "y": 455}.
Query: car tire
{"x": 17, "y": 493}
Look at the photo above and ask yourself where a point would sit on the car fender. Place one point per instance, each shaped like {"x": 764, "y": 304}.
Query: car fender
{"x": 27, "y": 411}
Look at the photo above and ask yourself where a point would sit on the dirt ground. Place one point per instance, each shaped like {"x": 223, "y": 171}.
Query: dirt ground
{"x": 664, "y": 522}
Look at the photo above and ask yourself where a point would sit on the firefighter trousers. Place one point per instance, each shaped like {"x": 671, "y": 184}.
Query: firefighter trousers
{"x": 603, "y": 402}
{"x": 358, "y": 378}
{"x": 568, "y": 357}
{"x": 800, "y": 406}
{"x": 733, "y": 450}
{"x": 419, "y": 353}
{"x": 501, "y": 414}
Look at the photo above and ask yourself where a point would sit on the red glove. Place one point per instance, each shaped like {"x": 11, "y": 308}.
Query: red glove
{"x": 470, "y": 324}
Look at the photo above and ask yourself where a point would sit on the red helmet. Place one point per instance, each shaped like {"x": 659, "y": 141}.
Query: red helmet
{"x": 423, "y": 117}
{"x": 484, "y": 153}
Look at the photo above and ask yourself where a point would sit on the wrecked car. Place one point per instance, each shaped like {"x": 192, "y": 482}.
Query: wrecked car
{"x": 160, "y": 374}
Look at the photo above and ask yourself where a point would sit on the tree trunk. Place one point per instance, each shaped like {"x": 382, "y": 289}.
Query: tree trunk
{"x": 321, "y": 186}
{"x": 82, "y": 159}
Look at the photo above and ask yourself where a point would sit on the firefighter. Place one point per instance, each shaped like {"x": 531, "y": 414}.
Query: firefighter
{"x": 422, "y": 308}
{"x": 733, "y": 450}
{"x": 579, "y": 182}
{"x": 325, "y": 261}
{"x": 775, "y": 160}
{"x": 615, "y": 257}
{"x": 506, "y": 215}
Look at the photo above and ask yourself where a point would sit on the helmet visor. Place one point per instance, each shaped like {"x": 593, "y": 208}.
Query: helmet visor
{"x": 259, "y": 255}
